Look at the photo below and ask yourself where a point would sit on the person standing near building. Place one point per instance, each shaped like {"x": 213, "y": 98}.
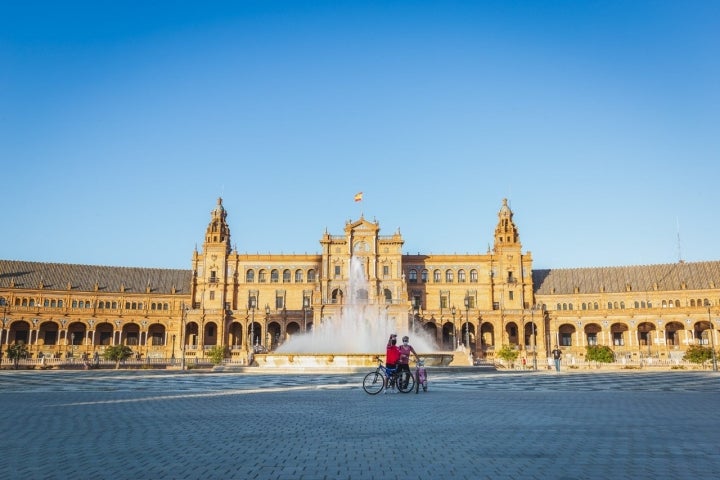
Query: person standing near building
{"x": 557, "y": 354}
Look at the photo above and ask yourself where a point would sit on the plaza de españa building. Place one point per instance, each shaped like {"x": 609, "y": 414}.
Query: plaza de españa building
{"x": 253, "y": 302}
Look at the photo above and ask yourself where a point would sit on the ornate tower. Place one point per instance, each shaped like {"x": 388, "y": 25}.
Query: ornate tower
{"x": 506, "y": 233}
{"x": 511, "y": 270}
{"x": 210, "y": 280}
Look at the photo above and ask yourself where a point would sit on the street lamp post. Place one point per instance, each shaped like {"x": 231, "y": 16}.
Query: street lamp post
{"x": 4, "y": 319}
{"x": 306, "y": 304}
{"x": 467, "y": 324}
{"x": 173, "y": 350}
{"x": 532, "y": 320}
{"x": 712, "y": 343}
{"x": 182, "y": 336}
{"x": 251, "y": 343}
{"x": 415, "y": 314}
{"x": 267, "y": 314}
{"x": 452, "y": 310}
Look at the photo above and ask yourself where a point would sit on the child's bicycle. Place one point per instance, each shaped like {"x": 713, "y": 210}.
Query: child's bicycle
{"x": 420, "y": 376}
{"x": 383, "y": 377}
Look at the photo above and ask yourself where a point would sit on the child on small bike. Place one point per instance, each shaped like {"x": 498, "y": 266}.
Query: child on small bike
{"x": 421, "y": 374}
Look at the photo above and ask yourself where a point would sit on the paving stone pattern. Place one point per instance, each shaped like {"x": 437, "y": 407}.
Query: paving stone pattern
{"x": 530, "y": 425}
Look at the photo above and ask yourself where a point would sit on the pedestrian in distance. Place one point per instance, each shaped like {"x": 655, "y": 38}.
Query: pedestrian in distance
{"x": 557, "y": 354}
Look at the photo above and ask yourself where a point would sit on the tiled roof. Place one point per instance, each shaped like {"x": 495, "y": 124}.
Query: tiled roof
{"x": 672, "y": 276}
{"x": 58, "y": 276}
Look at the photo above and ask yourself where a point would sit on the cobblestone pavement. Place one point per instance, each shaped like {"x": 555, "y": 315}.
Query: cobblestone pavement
{"x": 175, "y": 425}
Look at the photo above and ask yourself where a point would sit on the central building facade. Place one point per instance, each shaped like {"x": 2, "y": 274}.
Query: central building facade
{"x": 272, "y": 297}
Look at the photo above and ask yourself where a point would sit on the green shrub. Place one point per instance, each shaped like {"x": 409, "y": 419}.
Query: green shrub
{"x": 698, "y": 354}
{"x": 508, "y": 353}
{"x": 217, "y": 354}
{"x": 599, "y": 353}
{"x": 117, "y": 353}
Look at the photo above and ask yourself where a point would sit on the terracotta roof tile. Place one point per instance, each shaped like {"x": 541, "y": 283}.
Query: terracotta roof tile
{"x": 672, "y": 276}
{"x": 59, "y": 276}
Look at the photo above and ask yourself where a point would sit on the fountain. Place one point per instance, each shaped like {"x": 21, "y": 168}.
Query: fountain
{"x": 353, "y": 338}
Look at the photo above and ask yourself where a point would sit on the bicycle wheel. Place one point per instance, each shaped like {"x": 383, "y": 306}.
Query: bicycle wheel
{"x": 405, "y": 382}
{"x": 373, "y": 383}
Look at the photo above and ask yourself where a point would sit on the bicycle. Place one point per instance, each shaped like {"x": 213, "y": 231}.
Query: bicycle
{"x": 383, "y": 377}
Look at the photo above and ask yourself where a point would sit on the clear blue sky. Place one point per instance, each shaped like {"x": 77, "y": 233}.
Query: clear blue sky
{"x": 122, "y": 122}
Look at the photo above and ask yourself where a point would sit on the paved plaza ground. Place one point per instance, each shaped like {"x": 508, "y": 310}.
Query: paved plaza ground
{"x": 469, "y": 425}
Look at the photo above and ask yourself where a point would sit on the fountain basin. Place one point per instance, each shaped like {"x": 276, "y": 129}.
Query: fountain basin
{"x": 338, "y": 360}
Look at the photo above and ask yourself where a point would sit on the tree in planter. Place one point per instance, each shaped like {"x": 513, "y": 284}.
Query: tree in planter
{"x": 508, "y": 354}
{"x": 217, "y": 354}
{"x": 15, "y": 352}
{"x": 599, "y": 354}
{"x": 117, "y": 353}
{"x": 698, "y": 354}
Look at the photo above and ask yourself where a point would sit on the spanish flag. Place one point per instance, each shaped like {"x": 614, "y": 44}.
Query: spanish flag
{"x": 358, "y": 197}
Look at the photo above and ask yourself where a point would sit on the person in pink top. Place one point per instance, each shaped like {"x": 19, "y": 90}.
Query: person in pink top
{"x": 404, "y": 362}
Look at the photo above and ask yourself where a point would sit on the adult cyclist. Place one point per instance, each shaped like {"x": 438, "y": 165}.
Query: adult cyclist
{"x": 392, "y": 355}
{"x": 403, "y": 364}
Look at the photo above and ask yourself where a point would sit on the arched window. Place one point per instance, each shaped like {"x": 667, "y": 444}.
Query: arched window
{"x": 622, "y": 305}
{"x": 274, "y": 276}
{"x": 559, "y": 307}
{"x": 448, "y": 276}
{"x": 412, "y": 276}
{"x": 286, "y": 276}
{"x": 298, "y": 276}
{"x": 388, "y": 295}
{"x": 436, "y": 276}
{"x": 250, "y": 276}
{"x": 262, "y": 276}
{"x": 570, "y": 306}
{"x": 311, "y": 275}
{"x": 584, "y": 306}
{"x": 473, "y": 276}
{"x": 461, "y": 276}
{"x": 424, "y": 276}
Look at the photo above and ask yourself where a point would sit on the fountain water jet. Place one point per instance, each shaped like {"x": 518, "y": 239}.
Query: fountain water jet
{"x": 354, "y": 337}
